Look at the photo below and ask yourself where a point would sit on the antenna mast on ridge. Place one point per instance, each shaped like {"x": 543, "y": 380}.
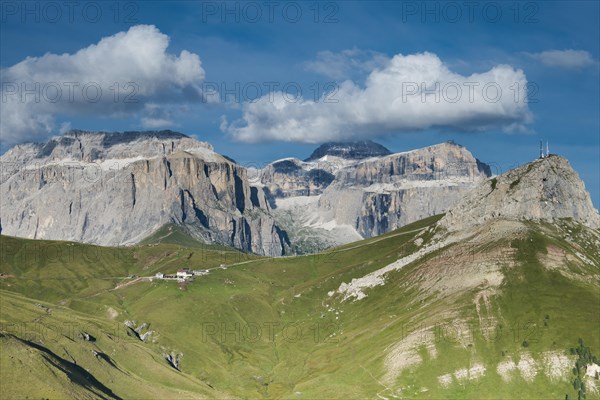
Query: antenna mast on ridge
{"x": 541, "y": 149}
{"x": 547, "y": 149}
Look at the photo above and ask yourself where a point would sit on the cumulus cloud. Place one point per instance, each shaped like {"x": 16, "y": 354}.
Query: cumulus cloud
{"x": 410, "y": 93}
{"x": 129, "y": 74}
{"x": 567, "y": 59}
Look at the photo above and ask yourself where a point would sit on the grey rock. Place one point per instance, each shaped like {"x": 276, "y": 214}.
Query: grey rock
{"x": 543, "y": 190}
{"x": 292, "y": 177}
{"x": 369, "y": 196}
{"x": 137, "y": 330}
{"x": 86, "y": 337}
{"x": 118, "y": 188}
{"x": 174, "y": 359}
{"x": 382, "y": 194}
{"x": 140, "y": 328}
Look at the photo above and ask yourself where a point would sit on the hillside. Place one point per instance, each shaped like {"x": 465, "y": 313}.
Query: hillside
{"x": 488, "y": 312}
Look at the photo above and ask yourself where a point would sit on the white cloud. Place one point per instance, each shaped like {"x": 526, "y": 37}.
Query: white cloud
{"x": 155, "y": 123}
{"x": 392, "y": 101}
{"x": 64, "y": 127}
{"x": 567, "y": 59}
{"x": 347, "y": 63}
{"x": 156, "y": 116}
{"x": 117, "y": 77}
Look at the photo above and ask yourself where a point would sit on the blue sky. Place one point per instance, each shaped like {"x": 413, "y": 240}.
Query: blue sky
{"x": 362, "y": 49}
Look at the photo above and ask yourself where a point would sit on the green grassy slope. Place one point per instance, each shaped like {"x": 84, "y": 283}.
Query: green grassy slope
{"x": 178, "y": 235}
{"x": 268, "y": 327}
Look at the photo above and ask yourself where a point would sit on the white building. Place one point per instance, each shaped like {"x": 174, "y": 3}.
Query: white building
{"x": 160, "y": 275}
{"x": 184, "y": 273}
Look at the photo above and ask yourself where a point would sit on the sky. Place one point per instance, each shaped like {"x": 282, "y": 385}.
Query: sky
{"x": 271, "y": 79}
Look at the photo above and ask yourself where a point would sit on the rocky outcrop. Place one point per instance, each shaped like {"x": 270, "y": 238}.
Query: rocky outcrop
{"x": 138, "y": 330}
{"x": 381, "y": 194}
{"x": 291, "y": 177}
{"x": 362, "y": 191}
{"x": 118, "y": 188}
{"x": 543, "y": 190}
{"x": 174, "y": 359}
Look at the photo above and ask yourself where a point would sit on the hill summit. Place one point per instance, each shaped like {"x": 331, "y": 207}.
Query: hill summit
{"x": 542, "y": 190}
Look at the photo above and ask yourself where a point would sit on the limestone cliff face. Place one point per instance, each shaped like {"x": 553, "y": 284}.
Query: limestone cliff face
{"x": 118, "y": 188}
{"x": 291, "y": 177}
{"x": 543, "y": 190}
{"x": 445, "y": 162}
{"x": 384, "y": 193}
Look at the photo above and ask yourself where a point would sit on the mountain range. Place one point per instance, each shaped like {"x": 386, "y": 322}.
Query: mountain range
{"x": 122, "y": 187}
{"x": 496, "y": 297}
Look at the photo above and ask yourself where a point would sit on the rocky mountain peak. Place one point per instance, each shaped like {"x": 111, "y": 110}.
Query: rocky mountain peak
{"x": 116, "y": 188}
{"x": 88, "y": 146}
{"x": 350, "y": 150}
{"x": 542, "y": 190}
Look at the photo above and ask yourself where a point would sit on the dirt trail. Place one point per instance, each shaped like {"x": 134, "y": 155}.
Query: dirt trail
{"x": 136, "y": 280}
